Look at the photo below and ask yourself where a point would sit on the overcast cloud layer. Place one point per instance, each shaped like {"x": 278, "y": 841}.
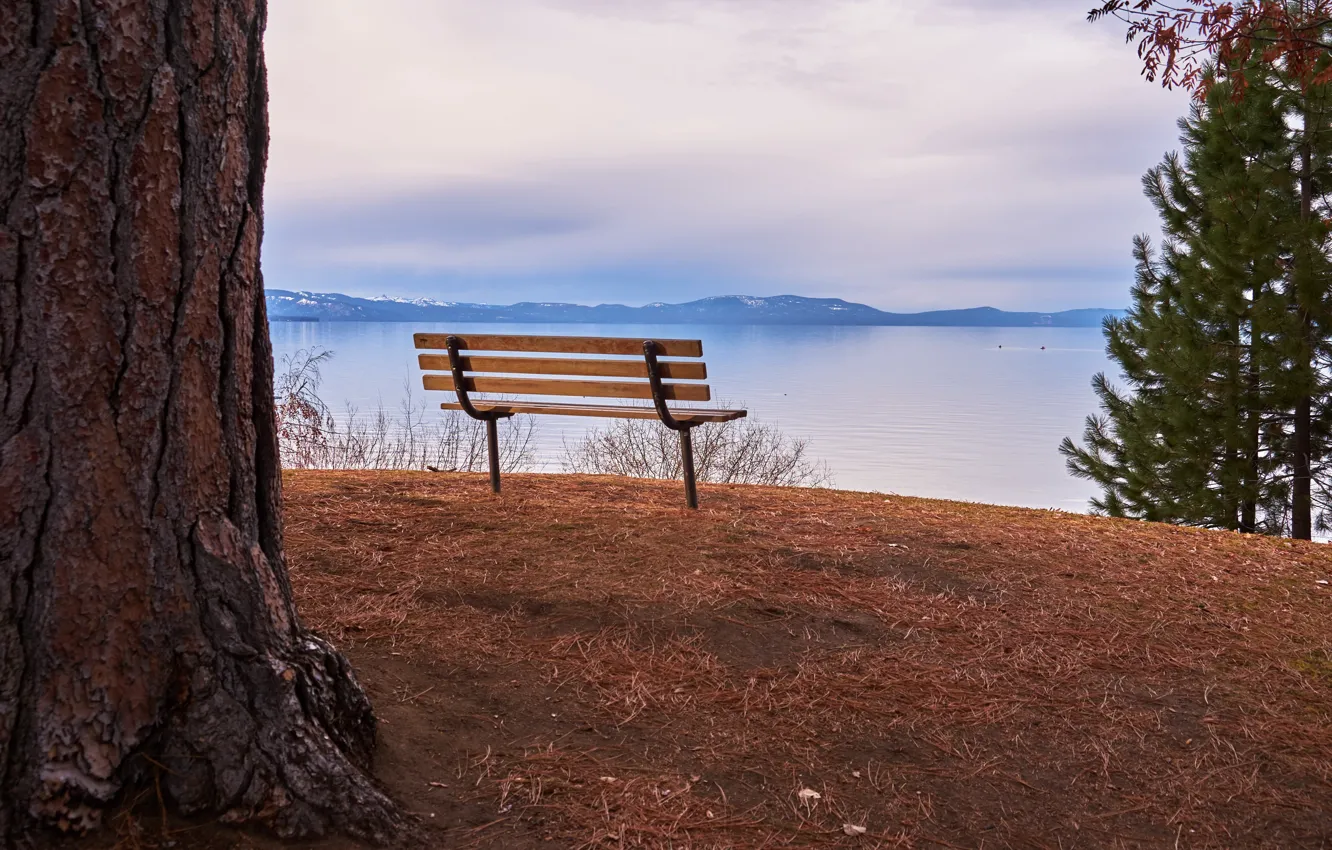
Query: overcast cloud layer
{"x": 909, "y": 154}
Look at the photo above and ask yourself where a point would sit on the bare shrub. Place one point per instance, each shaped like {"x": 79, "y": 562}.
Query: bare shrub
{"x": 739, "y": 452}
{"x": 310, "y": 436}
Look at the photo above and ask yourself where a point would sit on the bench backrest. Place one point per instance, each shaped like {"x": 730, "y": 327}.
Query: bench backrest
{"x": 621, "y": 357}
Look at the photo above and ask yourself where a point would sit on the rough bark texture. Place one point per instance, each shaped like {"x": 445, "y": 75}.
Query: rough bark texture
{"x": 1301, "y": 493}
{"x": 146, "y": 623}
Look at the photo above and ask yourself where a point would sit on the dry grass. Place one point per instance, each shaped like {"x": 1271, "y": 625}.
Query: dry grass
{"x": 582, "y": 662}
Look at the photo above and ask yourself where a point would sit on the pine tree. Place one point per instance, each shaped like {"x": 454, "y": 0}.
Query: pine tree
{"x": 1192, "y": 442}
{"x": 1308, "y": 294}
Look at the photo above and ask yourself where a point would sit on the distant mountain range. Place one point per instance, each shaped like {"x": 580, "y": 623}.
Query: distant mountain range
{"x": 720, "y": 310}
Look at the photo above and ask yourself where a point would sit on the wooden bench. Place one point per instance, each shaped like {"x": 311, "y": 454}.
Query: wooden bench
{"x": 465, "y": 372}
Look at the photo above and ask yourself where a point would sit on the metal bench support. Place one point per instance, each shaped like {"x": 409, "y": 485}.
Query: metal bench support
{"x": 490, "y": 417}
{"x": 664, "y": 413}
{"x": 492, "y": 443}
{"x": 687, "y": 455}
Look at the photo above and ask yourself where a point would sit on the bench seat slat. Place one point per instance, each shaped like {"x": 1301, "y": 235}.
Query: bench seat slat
{"x": 595, "y": 389}
{"x": 562, "y": 344}
{"x": 565, "y": 366}
{"x": 609, "y": 411}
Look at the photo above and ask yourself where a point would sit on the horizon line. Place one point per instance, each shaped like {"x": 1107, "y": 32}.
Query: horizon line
{"x": 421, "y": 300}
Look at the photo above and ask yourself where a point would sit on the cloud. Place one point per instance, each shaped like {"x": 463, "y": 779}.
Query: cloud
{"x": 908, "y": 154}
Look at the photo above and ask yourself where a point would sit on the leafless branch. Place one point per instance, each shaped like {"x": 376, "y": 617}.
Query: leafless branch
{"x": 411, "y": 437}
{"x": 740, "y": 452}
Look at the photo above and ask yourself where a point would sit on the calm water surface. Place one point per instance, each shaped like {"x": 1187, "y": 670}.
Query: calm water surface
{"x": 939, "y": 412}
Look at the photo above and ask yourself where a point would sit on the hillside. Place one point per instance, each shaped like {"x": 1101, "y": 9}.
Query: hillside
{"x": 722, "y": 310}
{"x": 583, "y": 663}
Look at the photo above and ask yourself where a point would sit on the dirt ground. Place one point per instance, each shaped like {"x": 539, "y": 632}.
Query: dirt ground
{"x": 584, "y": 663}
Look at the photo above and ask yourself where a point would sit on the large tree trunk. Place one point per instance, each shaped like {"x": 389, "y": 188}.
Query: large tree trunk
{"x": 146, "y": 623}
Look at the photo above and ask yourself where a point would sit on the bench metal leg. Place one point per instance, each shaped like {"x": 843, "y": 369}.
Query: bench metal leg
{"x": 687, "y": 456}
{"x": 492, "y": 442}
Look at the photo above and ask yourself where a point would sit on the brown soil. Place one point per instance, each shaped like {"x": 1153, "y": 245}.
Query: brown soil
{"x": 584, "y": 663}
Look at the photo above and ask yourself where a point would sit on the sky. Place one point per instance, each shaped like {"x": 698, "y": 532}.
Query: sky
{"x": 908, "y": 154}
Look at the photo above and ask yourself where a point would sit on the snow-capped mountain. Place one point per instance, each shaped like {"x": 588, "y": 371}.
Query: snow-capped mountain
{"x": 717, "y": 310}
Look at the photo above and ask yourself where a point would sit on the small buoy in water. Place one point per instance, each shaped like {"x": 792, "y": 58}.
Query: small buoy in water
{"x": 1001, "y": 346}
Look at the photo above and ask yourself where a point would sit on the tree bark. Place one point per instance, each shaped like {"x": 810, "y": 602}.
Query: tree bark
{"x": 146, "y": 624}
{"x": 1301, "y": 498}
{"x": 1251, "y": 484}
{"x": 1252, "y": 475}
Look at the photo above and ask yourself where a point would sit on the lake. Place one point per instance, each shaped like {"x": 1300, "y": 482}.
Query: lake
{"x": 974, "y": 414}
